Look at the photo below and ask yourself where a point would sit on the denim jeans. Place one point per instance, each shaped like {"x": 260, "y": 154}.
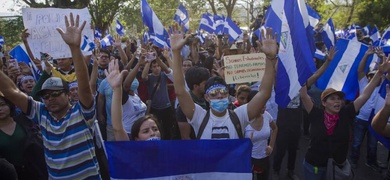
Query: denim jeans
{"x": 360, "y": 128}
{"x": 314, "y": 173}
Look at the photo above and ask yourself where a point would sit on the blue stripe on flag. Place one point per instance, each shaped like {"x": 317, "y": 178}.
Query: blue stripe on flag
{"x": 148, "y": 159}
{"x": 20, "y": 54}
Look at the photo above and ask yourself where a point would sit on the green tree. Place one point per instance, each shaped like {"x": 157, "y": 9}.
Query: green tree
{"x": 373, "y": 12}
{"x": 11, "y": 29}
{"x": 103, "y": 12}
{"x": 57, "y": 3}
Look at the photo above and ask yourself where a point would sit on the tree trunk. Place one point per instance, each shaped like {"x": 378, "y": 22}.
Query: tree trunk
{"x": 351, "y": 12}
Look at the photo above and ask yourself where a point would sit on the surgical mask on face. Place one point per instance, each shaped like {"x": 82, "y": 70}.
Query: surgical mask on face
{"x": 154, "y": 139}
{"x": 219, "y": 105}
{"x": 134, "y": 85}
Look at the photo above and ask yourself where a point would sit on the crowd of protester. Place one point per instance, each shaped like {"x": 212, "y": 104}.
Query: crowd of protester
{"x": 142, "y": 92}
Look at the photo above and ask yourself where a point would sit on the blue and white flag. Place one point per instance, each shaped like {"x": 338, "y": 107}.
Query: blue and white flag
{"x": 314, "y": 17}
{"x": 231, "y": 29}
{"x": 107, "y": 41}
{"x": 200, "y": 35}
{"x": 119, "y": 28}
{"x": 367, "y": 30}
{"x": 181, "y": 17}
{"x": 196, "y": 159}
{"x": 328, "y": 34}
{"x": 319, "y": 55}
{"x": 219, "y": 23}
{"x": 207, "y": 24}
{"x": 295, "y": 63}
{"x": 340, "y": 33}
{"x": 150, "y": 19}
{"x": 386, "y": 37}
{"x": 146, "y": 36}
{"x": 87, "y": 44}
{"x": 19, "y": 52}
{"x": 98, "y": 33}
{"x": 375, "y": 35}
{"x": 342, "y": 71}
{"x": 2, "y": 40}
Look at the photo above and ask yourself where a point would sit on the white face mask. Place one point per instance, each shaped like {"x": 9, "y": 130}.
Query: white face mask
{"x": 153, "y": 139}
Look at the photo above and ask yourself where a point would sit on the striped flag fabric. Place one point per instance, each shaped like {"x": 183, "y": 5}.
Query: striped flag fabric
{"x": 314, "y": 17}
{"x": 196, "y": 159}
{"x": 328, "y": 34}
{"x": 319, "y": 55}
{"x": 375, "y": 35}
{"x": 98, "y": 33}
{"x": 181, "y": 17}
{"x": 19, "y": 52}
{"x": 219, "y": 23}
{"x": 107, "y": 41}
{"x": 119, "y": 28}
{"x": 207, "y": 24}
{"x": 87, "y": 44}
{"x": 295, "y": 63}
{"x": 342, "y": 71}
{"x": 2, "y": 40}
{"x": 231, "y": 29}
{"x": 150, "y": 19}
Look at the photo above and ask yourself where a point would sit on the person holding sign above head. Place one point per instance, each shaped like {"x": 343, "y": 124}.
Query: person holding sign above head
{"x": 67, "y": 138}
{"x": 219, "y": 123}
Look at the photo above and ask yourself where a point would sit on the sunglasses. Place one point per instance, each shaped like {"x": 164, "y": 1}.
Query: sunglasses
{"x": 213, "y": 93}
{"x": 52, "y": 94}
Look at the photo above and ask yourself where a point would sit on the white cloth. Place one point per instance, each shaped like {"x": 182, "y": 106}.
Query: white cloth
{"x": 365, "y": 110}
{"x": 132, "y": 110}
{"x": 260, "y": 138}
{"x": 219, "y": 127}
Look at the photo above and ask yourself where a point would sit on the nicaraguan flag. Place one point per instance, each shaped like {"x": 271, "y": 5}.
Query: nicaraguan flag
{"x": 107, "y": 41}
{"x": 367, "y": 30}
{"x": 150, "y": 19}
{"x": 340, "y": 33}
{"x": 314, "y": 17}
{"x": 20, "y": 54}
{"x": 146, "y": 36}
{"x": 219, "y": 23}
{"x": 181, "y": 17}
{"x": 196, "y": 159}
{"x": 295, "y": 63}
{"x": 206, "y": 24}
{"x": 319, "y": 55}
{"x": 98, "y": 33}
{"x": 87, "y": 44}
{"x": 231, "y": 29}
{"x": 2, "y": 40}
{"x": 200, "y": 35}
{"x": 328, "y": 34}
{"x": 386, "y": 37}
{"x": 119, "y": 28}
{"x": 375, "y": 35}
{"x": 342, "y": 71}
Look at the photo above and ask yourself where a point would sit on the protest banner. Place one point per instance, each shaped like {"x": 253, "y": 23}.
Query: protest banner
{"x": 244, "y": 68}
{"x": 42, "y": 23}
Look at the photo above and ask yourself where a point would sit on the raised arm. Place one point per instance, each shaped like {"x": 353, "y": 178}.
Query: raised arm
{"x": 362, "y": 99}
{"x": 94, "y": 75}
{"x": 380, "y": 123}
{"x": 122, "y": 53}
{"x": 185, "y": 100}
{"x": 133, "y": 73}
{"x": 9, "y": 90}
{"x": 115, "y": 78}
{"x": 25, "y": 42}
{"x": 145, "y": 72}
{"x": 313, "y": 78}
{"x": 363, "y": 62}
{"x": 306, "y": 100}
{"x": 270, "y": 48}
{"x": 72, "y": 37}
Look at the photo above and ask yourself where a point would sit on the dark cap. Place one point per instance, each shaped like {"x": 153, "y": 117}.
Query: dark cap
{"x": 53, "y": 83}
{"x": 330, "y": 91}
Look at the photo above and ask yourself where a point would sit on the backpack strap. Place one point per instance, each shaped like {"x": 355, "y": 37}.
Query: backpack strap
{"x": 236, "y": 122}
{"x": 203, "y": 125}
{"x": 233, "y": 117}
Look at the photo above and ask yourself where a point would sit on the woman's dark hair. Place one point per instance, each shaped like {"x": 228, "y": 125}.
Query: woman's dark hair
{"x": 10, "y": 105}
{"x": 137, "y": 125}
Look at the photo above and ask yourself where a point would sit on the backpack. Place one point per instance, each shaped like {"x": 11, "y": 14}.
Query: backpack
{"x": 233, "y": 117}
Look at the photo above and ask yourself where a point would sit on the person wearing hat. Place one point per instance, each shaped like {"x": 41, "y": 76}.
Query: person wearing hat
{"x": 330, "y": 126}
{"x": 361, "y": 123}
{"x": 67, "y": 139}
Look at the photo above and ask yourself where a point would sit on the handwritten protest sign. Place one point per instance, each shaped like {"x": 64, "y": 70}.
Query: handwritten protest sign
{"x": 244, "y": 68}
{"x": 42, "y": 23}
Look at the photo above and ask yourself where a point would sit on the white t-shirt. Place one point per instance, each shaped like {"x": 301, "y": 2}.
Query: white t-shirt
{"x": 219, "y": 127}
{"x": 260, "y": 138}
{"x": 132, "y": 110}
{"x": 365, "y": 110}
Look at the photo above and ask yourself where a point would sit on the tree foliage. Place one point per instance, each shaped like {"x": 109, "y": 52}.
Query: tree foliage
{"x": 11, "y": 29}
{"x": 103, "y": 12}
{"x": 374, "y": 12}
{"x": 58, "y": 3}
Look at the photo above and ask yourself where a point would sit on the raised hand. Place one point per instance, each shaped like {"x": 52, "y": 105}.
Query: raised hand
{"x": 114, "y": 77}
{"x": 176, "y": 38}
{"x": 331, "y": 53}
{"x": 370, "y": 51}
{"x": 72, "y": 35}
{"x": 387, "y": 99}
{"x": 268, "y": 43}
{"x": 385, "y": 65}
{"x": 379, "y": 52}
{"x": 117, "y": 40}
{"x": 166, "y": 53}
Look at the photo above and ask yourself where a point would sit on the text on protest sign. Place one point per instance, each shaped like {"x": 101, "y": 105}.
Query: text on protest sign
{"x": 244, "y": 68}
{"x": 42, "y": 23}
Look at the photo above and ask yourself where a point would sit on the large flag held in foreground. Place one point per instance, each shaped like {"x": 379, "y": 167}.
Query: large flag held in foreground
{"x": 20, "y": 54}
{"x": 150, "y": 19}
{"x": 295, "y": 63}
{"x": 342, "y": 71}
{"x": 197, "y": 159}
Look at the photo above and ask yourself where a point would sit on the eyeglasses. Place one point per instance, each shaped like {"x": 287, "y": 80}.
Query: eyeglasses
{"x": 213, "y": 93}
{"x": 52, "y": 94}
